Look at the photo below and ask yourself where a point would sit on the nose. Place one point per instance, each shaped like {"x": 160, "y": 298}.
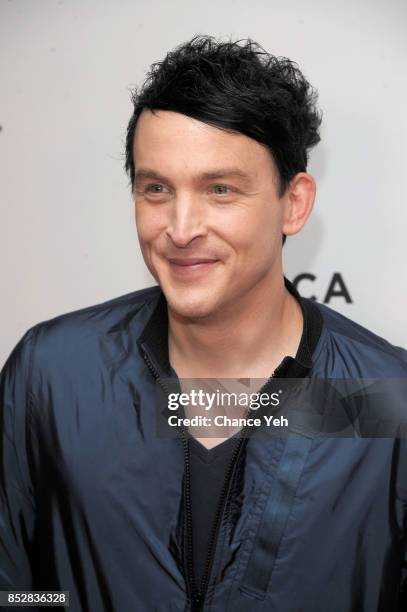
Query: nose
{"x": 186, "y": 220}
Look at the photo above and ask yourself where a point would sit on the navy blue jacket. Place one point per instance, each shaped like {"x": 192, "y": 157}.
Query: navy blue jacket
{"x": 91, "y": 499}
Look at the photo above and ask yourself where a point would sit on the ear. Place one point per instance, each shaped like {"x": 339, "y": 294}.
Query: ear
{"x": 298, "y": 202}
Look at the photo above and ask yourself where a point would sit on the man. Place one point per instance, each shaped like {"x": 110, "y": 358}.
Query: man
{"x": 93, "y": 501}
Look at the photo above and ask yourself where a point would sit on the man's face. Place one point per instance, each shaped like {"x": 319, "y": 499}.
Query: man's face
{"x": 208, "y": 215}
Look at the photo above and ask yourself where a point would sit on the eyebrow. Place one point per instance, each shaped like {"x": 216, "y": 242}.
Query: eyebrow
{"x": 232, "y": 172}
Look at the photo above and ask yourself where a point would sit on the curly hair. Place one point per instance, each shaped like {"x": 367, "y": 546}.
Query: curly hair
{"x": 234, "y": 86}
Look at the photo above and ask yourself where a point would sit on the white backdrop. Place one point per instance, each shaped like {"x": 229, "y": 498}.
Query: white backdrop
{"x": 68, "y": 236}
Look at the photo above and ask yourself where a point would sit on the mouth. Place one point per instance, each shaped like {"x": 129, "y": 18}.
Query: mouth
{"x": 191, "y": 266}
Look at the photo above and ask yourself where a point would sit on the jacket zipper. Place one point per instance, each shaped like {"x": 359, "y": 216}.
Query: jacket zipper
{"x": 197, "y": 596}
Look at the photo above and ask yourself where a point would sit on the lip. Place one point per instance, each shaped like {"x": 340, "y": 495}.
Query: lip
{"x": 188, "y": 267}
{"x": 192, "y": 261}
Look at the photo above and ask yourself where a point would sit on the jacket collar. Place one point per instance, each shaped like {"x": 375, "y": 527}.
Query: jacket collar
{"x": 153, "y": 340}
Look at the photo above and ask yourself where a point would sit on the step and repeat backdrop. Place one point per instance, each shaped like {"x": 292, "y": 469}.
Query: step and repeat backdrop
{"x": 68, "y": 237}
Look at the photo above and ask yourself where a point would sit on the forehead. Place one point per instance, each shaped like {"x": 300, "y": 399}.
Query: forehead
{"x": 167, "y": 141}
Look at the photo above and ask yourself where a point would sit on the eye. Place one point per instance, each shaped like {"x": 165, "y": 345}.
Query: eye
{"x": 222, "y": 189}
{"x": 154, "y": 188}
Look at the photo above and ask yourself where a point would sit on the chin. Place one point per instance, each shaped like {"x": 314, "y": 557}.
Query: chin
{"x": 189, "y": 306}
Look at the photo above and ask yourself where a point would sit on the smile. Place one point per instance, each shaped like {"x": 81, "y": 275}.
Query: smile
{"x": 190, "y": 267}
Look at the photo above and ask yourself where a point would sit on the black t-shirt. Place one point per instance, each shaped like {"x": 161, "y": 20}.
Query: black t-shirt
{"x": 208, "y": 471}
{"x": 209, "y": 467}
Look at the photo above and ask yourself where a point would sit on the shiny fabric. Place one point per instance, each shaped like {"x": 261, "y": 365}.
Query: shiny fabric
{"x": 91, "y": 500}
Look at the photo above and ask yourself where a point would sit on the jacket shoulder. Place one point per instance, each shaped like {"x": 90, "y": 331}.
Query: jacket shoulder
{"x": 114, "y": 307}
{"x": 77, "y": 336}
{"x": 351, "y": 349}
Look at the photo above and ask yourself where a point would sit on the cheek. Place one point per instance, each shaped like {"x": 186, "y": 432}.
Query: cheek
{"x": 253, "y": 231}
{"x": 149, "y": 224}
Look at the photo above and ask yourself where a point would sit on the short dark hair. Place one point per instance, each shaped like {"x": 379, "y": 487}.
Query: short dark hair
{"x": 235, "y": 86}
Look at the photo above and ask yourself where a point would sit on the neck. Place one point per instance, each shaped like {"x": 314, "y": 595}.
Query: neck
{"x": 250, "y": 339}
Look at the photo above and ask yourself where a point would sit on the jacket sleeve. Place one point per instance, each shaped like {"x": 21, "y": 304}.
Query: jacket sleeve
{"x": 17, "y": 510}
